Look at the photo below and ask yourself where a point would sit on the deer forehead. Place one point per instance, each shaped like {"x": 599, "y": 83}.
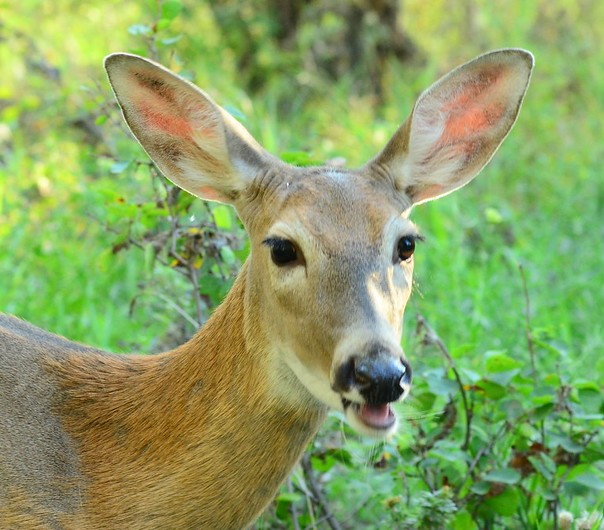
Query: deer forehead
{"x": 331, "y": 208}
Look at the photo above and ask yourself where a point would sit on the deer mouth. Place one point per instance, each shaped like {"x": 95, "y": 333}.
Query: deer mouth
{"x": 377, "y": 417}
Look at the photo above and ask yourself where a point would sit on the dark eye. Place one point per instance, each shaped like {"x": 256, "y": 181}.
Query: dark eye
{"x": 282, "y": 251}
{"x": 405, "y": 248}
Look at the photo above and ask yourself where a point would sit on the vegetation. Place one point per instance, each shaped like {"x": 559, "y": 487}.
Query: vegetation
{"x": 504, "y": 428}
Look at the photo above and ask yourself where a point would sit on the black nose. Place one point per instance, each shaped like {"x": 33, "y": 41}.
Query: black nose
{"x": 380, "y": 377}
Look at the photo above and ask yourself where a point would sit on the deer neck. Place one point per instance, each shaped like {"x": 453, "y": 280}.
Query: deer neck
{"x": 202, "y": 427}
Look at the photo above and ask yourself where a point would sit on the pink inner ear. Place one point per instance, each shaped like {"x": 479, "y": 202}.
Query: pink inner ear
{"x": 210, "y": 193}
{"x": 166, "y": 123}
{"x": 473, "y": 111}
{"x": 472, "y": 121}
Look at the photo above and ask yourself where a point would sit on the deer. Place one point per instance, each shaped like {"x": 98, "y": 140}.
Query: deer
{"x": 203, "y": 436}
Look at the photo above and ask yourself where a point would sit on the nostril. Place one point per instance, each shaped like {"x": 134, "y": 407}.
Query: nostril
{"x": 405, "y": 372}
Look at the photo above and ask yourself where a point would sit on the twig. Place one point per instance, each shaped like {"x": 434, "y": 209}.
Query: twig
{"x": 431, "y": 337}
{"x": 484, "y": 450}
{"x": 178, "y": 309}
{"x": 529, "y": 339}
{"x": 292, "y": 506}
{"x": 315, "y": 488}
{"x": 528, "y": 326}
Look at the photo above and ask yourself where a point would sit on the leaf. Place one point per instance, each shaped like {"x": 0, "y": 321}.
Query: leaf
{"x": 542, "y": 412}
{"x": 139, "y": 29}
{"x": 162, "y": 24}
{"x": 441, "y": 386}
{"x": 470, "y": 375}
{"x": 227, "y": 255}
{"x": 543, "y": 394}
{"x": 289, "y": 498}
{"x": 544, "y": 465}
{"x": 589, "y": 480}
{"x": 235, "y": 112}
{"x": 506, "y": 475}
{"x": 480, "y": 488}
{"x": 171, "y": 40}
{"x": 588, "y": 385}
{"x": 170, "y": 9}
{"x": 493, "y": 216}
{"x": 492, "y": 390}
{"x": 570, "y": 445}
{"x": 223, "y": 217}
{"x": 463, "y": 521}
{"x": 118, "y": 167}
{"x": 497, "y": 361}
{"x": 505, "y": 504}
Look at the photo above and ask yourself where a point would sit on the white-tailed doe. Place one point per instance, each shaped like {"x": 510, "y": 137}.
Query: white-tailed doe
{"x": 202, "y": 436}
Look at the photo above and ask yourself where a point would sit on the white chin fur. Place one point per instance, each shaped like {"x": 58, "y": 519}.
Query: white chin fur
{"x": 321, "y": 390}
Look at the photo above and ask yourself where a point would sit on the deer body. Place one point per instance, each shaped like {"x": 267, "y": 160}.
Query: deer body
{"x": 202, "y": 436}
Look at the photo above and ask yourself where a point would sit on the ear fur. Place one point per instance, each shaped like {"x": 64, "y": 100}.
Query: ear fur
{"x": 193, "y": 141}
{"x": 457, "y": 125}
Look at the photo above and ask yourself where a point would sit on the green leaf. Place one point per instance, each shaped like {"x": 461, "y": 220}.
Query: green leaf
{"x": 542, "y": 412}
{"x": 480, "y": 488}
{"x": 227, "y": 255}
{"x": 223, "y": 217}
{"x": 289, "y": 498}
{"x": 162, "y": 24}
{"x": 492, "y": 390}
{"x": 170, "y": 9}
{"x": 463, "y": 521}
{"x": 543, "y": 395}
{"x": 497, "y": 361}
{"x": 570, "y": 445}
{"x": 588, "y": 385}
{"x": 493, "y": 216}
{"x": 470, "y": 375}
{"x": 506, "y": 475}
{"x": 589, "y": 480}
{"x": 441, "y": 386}
{"x": 505, "y": 504}
{"x": 544, "y": 465}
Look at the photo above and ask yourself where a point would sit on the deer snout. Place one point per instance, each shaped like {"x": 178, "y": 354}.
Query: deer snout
{"x": 379, "y": 377}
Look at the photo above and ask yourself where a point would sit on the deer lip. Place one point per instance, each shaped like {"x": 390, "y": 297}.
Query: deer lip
{"x": 376, "y": 416}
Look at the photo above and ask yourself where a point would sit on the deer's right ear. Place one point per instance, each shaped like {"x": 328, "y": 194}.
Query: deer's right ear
{"x": 193, "y": 141}
{"x": 457, "y": 125}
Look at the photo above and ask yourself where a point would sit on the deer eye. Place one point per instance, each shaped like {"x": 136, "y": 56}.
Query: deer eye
{"x": 405, "y": 248}
{"x": 283, "y": 251}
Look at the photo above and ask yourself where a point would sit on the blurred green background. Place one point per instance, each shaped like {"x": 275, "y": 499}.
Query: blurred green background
{"x": 312, "y": 80}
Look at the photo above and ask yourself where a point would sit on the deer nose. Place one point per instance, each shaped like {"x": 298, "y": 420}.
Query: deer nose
{"x": 379, "y": 377}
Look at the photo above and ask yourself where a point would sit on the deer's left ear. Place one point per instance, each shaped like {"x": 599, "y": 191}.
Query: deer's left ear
{"x": 457, "y": 125}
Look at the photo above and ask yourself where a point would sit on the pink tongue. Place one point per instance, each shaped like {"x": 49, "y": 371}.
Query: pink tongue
{"x": 376, "y": 415}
